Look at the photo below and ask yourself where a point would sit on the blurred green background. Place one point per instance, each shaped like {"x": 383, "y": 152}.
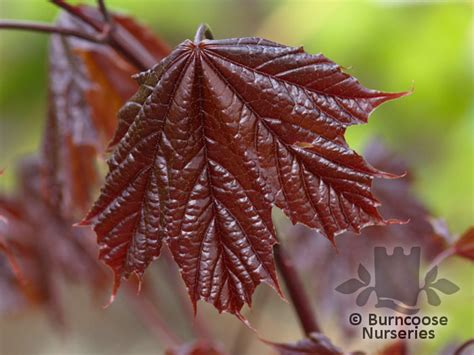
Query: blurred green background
{"x": 391, "y": 46}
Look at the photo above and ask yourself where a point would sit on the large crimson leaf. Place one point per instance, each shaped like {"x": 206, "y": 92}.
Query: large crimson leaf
{"x": 220, "y": 131}
{"x": 88, "y": 83}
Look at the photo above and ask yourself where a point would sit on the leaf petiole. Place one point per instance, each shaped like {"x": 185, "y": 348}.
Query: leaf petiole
{"x": 203, "y": 32}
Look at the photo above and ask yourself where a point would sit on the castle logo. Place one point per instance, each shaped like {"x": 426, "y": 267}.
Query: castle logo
{"x": 397, "y": 282}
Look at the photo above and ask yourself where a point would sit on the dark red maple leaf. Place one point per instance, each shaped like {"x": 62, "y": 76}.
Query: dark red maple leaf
{"x": 88, "y": 83}
{"x": 316, "y": 344}
{"x": 221, "y": 131}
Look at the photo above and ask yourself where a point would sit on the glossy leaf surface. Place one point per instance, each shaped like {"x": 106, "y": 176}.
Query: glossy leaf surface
{"x": 219, "y": 132}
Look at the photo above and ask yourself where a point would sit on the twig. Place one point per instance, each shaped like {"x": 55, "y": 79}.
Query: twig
{"x": 441, "y": 257}
{"x": 120, "y": 40}
{"x": 76, "y": 12}
{"x": 117, "y": 38}
{"x": 295, "y": 288}
{"x": 47, "y": 28}
{"x": 464, "y": 346}
{"x": 105, "y": 12}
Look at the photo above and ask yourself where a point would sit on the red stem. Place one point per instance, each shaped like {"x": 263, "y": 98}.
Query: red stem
{"x": 441, "y": 257}
{"x": 464, "y": 346}
{"x": 203, "y": 32}
{"x": 104, "y": 11}
{"x": 296, "y": 290}
{"x": 117, "y": 38}
{"x": 47, "y": 28}
{"x": 76, "y": 12}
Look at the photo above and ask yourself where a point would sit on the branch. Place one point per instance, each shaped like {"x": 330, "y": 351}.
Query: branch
{"x": 105, "y": 12}
{"x": 117, "y": 38}
{"x": 76, "y": 12}
{"x": 464, "y": 346}
{"x": 47, "y": 28}
{"x": 441, "y": 257}
{"x": 295, "y": 288}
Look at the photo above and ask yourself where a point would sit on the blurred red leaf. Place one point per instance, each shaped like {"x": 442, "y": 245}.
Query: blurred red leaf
{"x": 88, "y": 83}
{"x": 396, "y": 348}
{"x": 464, "y": 246}
{"x": 214, "y": 138}
{"x": 196, "y": 348}
{"x": 45, "y": 247}
{"x": 398, "y": 200}
{"x": 316, "y": 344}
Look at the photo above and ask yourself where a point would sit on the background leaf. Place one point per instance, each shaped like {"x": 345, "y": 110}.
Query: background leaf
{"x": 88, "y": 83}
{"x": 48, "y": 251}
{"x": 464, "y": 246}
{"x": 200, "y": 347}
{"x": 324, "y": 265}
